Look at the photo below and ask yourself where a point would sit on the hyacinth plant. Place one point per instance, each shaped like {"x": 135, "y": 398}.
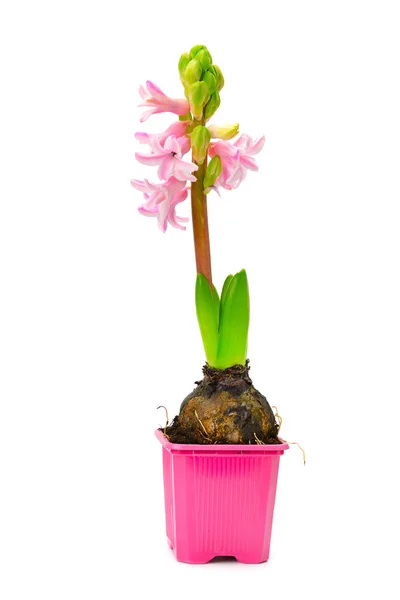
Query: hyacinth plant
{"x": 225, "y": 407}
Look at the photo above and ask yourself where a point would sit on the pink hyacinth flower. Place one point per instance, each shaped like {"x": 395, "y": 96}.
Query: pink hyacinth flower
{"x": 178, "y": 129}
{"x": 157, "y": 102}
{"x": 169, "y": 158}
{"x": 236, "y": 158}
{"x": 161, "y": 200}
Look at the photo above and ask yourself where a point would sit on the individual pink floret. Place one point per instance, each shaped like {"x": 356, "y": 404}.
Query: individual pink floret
{"x": 168, "y": 157}
{"x": 157, "y": 102}
{"x": 178, "y": 129}
{"x": 161, "y": 200}
{"x": 237, "y": 158}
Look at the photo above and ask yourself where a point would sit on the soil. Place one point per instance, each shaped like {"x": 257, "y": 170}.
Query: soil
{"x": 224, "y": 408}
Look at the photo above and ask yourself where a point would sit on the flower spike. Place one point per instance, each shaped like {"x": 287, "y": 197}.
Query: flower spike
{"x": 220, "y": 158}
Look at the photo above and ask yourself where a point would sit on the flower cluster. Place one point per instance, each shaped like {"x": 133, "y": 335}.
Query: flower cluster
{"x": 229, "y": 160}
{"x": 236, "y": 158}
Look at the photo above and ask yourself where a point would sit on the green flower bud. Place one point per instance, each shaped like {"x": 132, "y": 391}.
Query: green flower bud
{"x": 193, "y": 52}
{"x": 224, "y": 132}
{"x": 219, "y": 77}
{"x": 199, "y": 139}
{"x": 193, "y": 72}
{"x": 211, "y": 81}
{"x": 212, "y": 105}
{"x": 205, "y": 58}
{"x": 187, "y": 117}
{"x": 214, "y": 169}
{"x": 198, "y": 97}
{"x": 183, "y": 63}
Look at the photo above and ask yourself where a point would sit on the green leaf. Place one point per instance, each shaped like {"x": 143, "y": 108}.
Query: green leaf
{"x": 216, "y": 305}
{"x": 234, "y": 322}
{"x": 207, "y": 308}
{"x": 225, "y": 288}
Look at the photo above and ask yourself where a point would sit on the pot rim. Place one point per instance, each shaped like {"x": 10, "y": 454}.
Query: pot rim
{"x": 210, "y": 449}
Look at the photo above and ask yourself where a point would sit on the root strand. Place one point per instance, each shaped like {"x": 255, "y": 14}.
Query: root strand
{"x": 278, "y": 418}
{"x": 166, "y": 416}
{"x": 297, "y": 444}
{"x": 202, "y": 426}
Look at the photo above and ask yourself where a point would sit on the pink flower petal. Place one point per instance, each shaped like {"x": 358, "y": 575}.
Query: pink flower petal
{"x": 249, "y": 162}
{"x": 148, "y": 213}
{"x": 179, "y": 107}
{"x": 223, "y": 148}
{"x": 258, "y": 145}
{"x": 143, "y": 93}
{"x": 213, "y": 188}
{"x": 147, "y": 114}
{"x": 243, "y": 141}
{"x": 179, "y": 197}
{"x": 174, "y": 220}
{"x": 143, "y": 138}
{"x": 237, "y": 177}
{"x": 138, "y": 185}
{"x": 171, "y": 144}
{"x": 144, "y": 186}
{"x": 159, "y": 102}
{"x": 156, "y": 140}
{"x": 166, "y": 168}
{"x": 149, "y": 159}
{"x": 153, "y": 187}
{"x": 155, "y": 91}
{"x": 156, "y": 146}
{"x": 184, "y": 144}
{"x": 164, "y": 211}
{"x": 175, "y": 186}
{"x": 178, "y": 129}
{"x": 183, "y": 170}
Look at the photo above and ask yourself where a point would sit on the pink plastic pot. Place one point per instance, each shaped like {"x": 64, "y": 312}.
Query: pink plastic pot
{"x": 219, "y": 499}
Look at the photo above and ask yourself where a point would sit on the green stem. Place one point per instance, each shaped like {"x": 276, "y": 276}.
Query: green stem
{"x": 200, "y": 220}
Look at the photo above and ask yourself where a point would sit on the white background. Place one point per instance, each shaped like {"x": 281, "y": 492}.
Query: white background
{"x": 97, "y": 316}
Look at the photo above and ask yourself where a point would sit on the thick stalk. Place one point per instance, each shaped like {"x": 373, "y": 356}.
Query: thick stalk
{"x": 200, "y": 221}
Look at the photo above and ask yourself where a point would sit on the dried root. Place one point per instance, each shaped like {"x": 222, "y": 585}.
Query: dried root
{"x": 167, "y": 420}
{"x": 205, "y": 434}
{"x": 280, "y": 420}
{"x": 297, "y": 444}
